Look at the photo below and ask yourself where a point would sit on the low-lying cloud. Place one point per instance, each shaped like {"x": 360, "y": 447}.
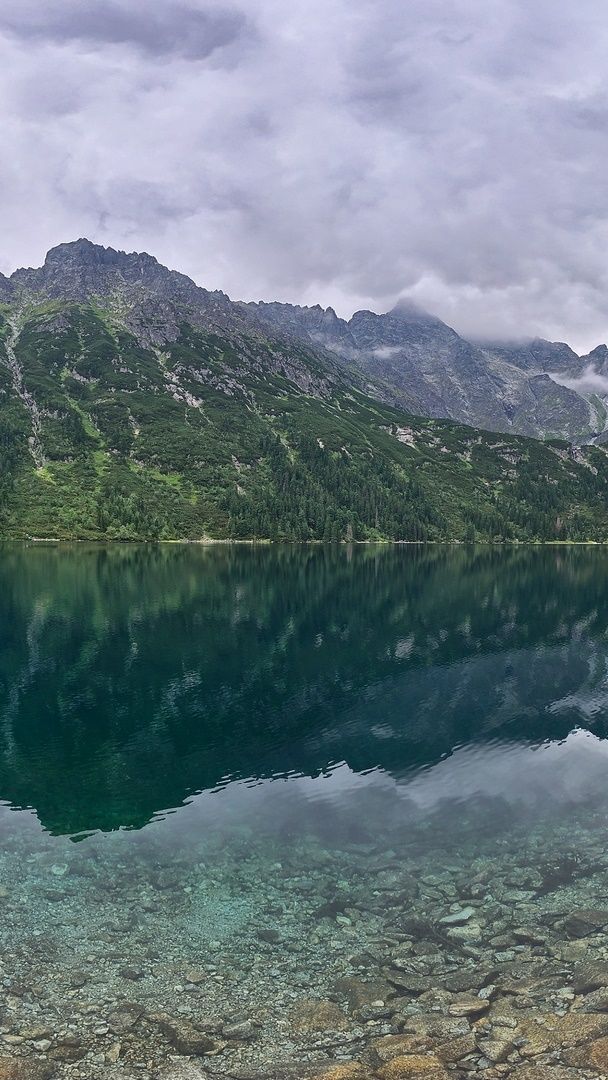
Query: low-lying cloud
{"x": 384, "y": 352}
{"x": 590, "y": 382}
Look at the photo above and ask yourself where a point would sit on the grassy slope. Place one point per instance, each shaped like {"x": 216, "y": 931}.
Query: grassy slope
{"x": 204, "y": 440}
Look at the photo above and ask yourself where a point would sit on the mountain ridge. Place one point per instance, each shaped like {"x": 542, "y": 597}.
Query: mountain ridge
{"x": 432, "y": 369}
{"x": 135, "y": 404}
{"x": 405, "y": 356}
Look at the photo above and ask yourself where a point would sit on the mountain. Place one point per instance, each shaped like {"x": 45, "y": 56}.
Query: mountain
{"x": 135, "y": 404}
{"x": 150, "y": 299}
{"x": 426, "y": 367}
{"x": 535, "y": 355}
{"x": 597, "y": 359}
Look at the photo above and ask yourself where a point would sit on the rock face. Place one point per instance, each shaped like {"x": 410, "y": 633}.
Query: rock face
{"x": 6, "y": 289}
{"x": 597, "y": 358}
{"x": 316, "y": 324}
{"x": 429, "y": 369}
{"x": 536, "y": 355}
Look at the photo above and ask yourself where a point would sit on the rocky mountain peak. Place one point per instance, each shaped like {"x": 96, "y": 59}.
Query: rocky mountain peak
{"x": 158, "y": 299}
{"x": 80, "y": 268}
{"x": 403, "y": 326}
{"x": 599, "y": 353}
{"x": 87, "y": 253}
{"x": 410, "y": 312}
{"x": 597, "y": 359}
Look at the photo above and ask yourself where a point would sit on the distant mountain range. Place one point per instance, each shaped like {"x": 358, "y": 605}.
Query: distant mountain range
{"x": 537, "y": 388}
{"x": 135, "y": 404}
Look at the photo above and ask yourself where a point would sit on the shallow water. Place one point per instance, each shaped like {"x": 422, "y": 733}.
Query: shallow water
{"x": 268, "y": 809}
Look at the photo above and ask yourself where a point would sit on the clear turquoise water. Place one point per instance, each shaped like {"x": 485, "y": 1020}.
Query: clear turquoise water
{"x": 232, "y": 778}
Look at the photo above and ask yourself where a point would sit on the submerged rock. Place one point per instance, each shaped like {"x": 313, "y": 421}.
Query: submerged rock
{"x": 195, "y": 977}
{"x": 22, "y": 1069}
{"x": 595, "y": 1002}
{"x": 414, "y": 1067}
{"x": 457, "y": 918}
{"x": 243, "y": 1031}
{"x": 184, "y": 1071}
{"x": 269, "y": 935}
{"x": 469, "y": 1006}
{"x": 124, "y": 1018}
{"x": 312, "y": 1015}
{"x": 455, "y": 1049}
{"x": 349, "y": 1070}
{"x": 360, "y": 994}
{"x": 586, "y": 921}
{"x": 544, "y": 1072}
{"x": 184, "y": 1035}
{"x": 598, "y": 1055}
{"x": 590, "y": 976}
{"x": 392, "y": 1046}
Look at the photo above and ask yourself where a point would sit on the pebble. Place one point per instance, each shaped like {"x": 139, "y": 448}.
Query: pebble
{"x": 461, "y": 984}
{"x": 457, "y": 918}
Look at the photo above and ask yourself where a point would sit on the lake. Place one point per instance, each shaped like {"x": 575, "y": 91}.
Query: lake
{"x": 302, "y": 811}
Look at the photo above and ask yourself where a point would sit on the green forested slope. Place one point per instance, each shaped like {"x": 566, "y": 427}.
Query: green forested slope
{"x": 220, "y": 435}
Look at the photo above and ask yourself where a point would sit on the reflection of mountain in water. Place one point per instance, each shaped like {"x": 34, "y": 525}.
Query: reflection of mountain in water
{"x": 132, "y": 676}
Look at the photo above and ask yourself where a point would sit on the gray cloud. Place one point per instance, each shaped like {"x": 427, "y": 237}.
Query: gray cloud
{"x": 348, "y": 153}
{"x": 160, "y": 29}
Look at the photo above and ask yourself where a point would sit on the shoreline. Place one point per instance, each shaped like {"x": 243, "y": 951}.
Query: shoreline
{"x": 260, "y": 542}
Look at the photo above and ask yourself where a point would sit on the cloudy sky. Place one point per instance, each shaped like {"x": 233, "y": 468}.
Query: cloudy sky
{"x": 340, "y": 151}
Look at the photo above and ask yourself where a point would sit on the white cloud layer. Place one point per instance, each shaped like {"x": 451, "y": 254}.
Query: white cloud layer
{"x": 590, "y": 382}
{"x": 345, "y": 153}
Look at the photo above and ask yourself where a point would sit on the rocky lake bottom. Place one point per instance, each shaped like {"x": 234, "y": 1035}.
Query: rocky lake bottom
{"x": 379, "y": 898}
{"x": 431, "y": 944}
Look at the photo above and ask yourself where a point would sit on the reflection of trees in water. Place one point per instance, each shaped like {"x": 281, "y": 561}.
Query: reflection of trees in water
{"x": 131, "y": 675}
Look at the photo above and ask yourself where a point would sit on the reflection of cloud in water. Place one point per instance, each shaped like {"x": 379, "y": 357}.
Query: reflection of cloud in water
{"x": 563, "y": 773}
{"x": 573, "y": 770}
